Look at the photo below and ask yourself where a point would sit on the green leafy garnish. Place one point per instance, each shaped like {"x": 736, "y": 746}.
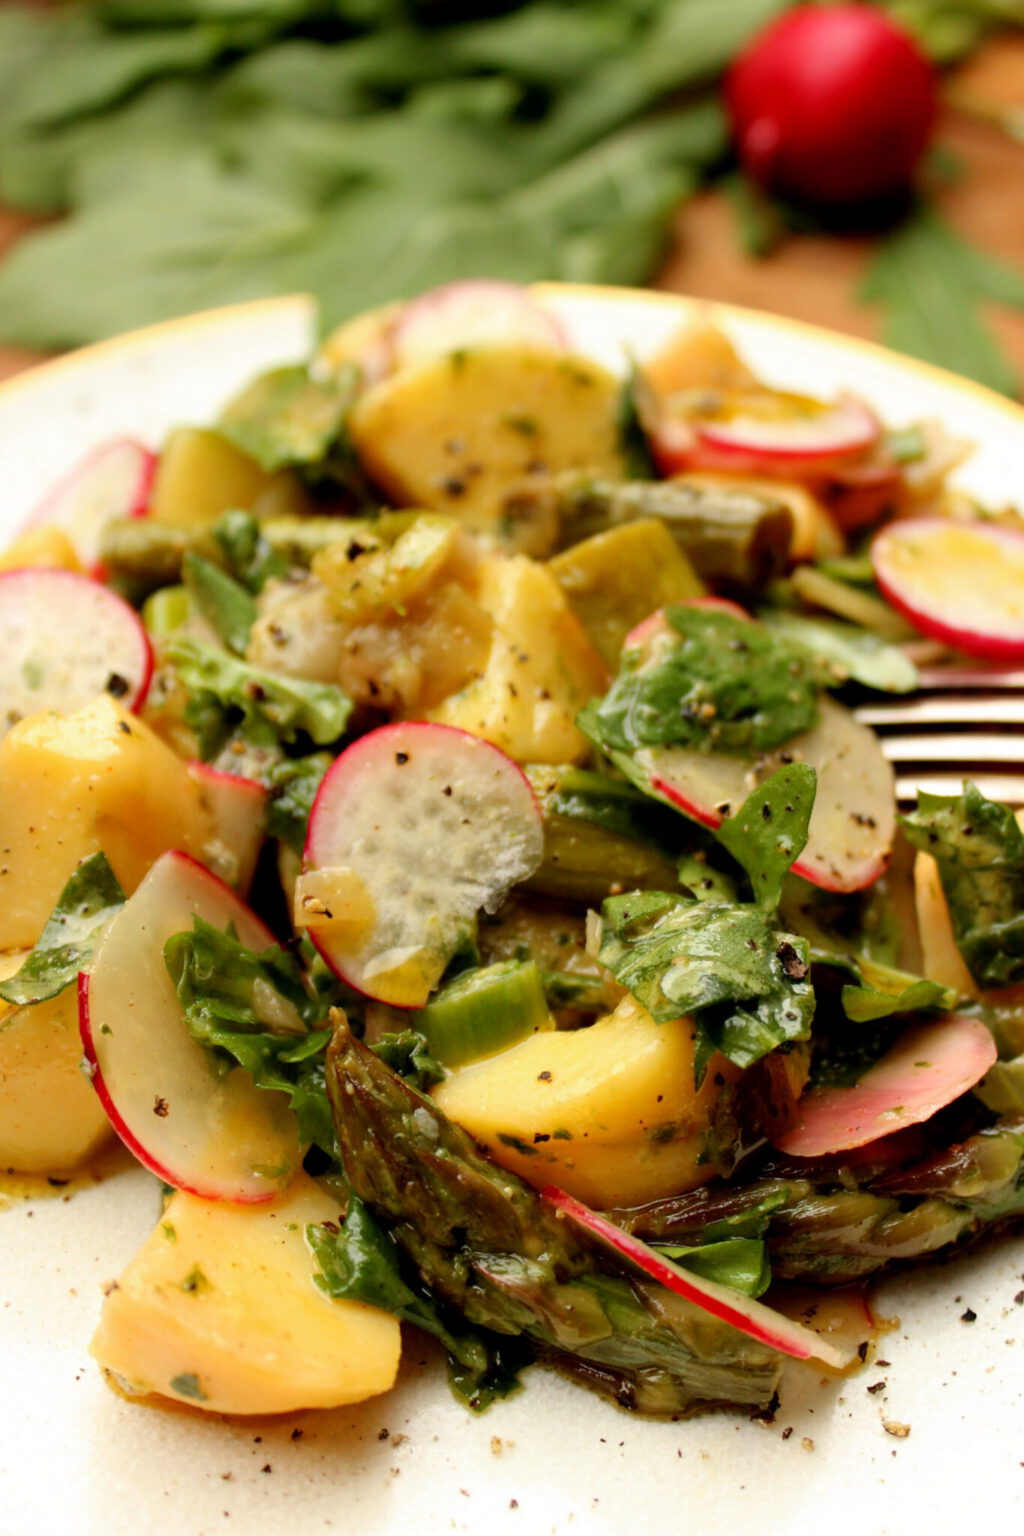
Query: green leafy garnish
{"x": 229, "y": 698}
{"x": 979, "y": 850}
{"x": 738, "y": 1262}
{"x": 285, "y": 418}
{"x": 257, "y": 1010}
{"x": 293, "y": 784}
{"x": 360, "y": 1261}
{"x": 769, "y": 830}
{"x": 223, "y": 602}
{"x": 746, "y": 982}
{"x": 88, "y": 901}
{"x": 714, "y": 682}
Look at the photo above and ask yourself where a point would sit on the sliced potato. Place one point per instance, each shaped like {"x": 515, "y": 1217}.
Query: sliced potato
{"x": 200, "y": 474}
{"x": 609, "y": 1113}
{"x": 540, "y": 669}
{"x": 71, "y": 785}
{"x": 454, "y": 434}
{"x": 50, "y": 1118}
{"x": 220, "y": 1309}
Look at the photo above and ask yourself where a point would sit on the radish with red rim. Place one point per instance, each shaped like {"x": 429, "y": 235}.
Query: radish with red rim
{"x": 220, "y": 1137}
{"x": 773, "y": 435}
{"x": 956, "y": 581}
{"x": 238, "y": 806}
{"x": 478, "y": 312}
{"x": 65, "y": 639}
{"x": 751, "y": 1317}
{"x": 929, "y": 1066}
{"x": 418, "y": 827}
{"x": 114, "y": 480}
{"x": 853, "y": 822}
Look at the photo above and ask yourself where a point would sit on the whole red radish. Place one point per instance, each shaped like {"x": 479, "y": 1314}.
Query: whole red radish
{"x": 832, "y": 105}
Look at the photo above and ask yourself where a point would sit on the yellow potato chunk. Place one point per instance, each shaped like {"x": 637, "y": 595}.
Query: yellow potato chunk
{"x": 540, "y": 670}
{"x": 609, "y": 1113}
{"x": 455, "y": 433}
{"x": 47, "y": 547}
{"x": 219, "y": 1309}
{"x": 50, "y": 1118}
{"x": 71, "y": 785}
{"x": 200, "y": 474}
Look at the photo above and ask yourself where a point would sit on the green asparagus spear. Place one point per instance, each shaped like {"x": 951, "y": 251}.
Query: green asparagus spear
{"x": 732, "y": 537}
{"x": 819, "y": 1231}
{"x": 487, "y": 1244}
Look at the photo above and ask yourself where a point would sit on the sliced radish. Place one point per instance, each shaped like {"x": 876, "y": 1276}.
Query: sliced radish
{"x": 220, "y": 1137}
{"x": 64, "y": 639}
{"x": 764, "y": 433}
{"x": 113, "y": 480}
{"x": 657, "y": 624}
{"x": 239, "y": 809}
{"x": 480, "y": 312}
{"x": 930, "y": 1065}
{"x": 743, "y": 1312}
{"x": 854, "y": 818}
{"x": 419, "y": 826}
{"x": 959, "y": 582}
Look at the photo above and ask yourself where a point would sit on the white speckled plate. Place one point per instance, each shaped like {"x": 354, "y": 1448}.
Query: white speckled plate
{"x": 77, "y": 1461}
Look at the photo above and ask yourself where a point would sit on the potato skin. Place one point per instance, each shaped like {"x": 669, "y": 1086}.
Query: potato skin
{"x": 609, "y": 1113}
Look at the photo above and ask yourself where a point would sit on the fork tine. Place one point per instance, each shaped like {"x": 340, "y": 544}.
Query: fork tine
{"x": 944, "y": 709}
{"x": 1009, "y": 788}
{"x": 953, "y": 747}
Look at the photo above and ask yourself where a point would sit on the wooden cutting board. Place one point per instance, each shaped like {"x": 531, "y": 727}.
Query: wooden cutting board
{"x": 815, "y": 278}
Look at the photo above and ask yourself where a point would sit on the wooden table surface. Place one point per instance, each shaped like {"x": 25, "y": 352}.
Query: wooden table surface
{"x": 816, "y": 278}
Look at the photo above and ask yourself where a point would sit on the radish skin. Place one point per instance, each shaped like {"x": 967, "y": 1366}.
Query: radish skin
{"x": 113, "y": 480}
{"x": 478, "y": 312}
{"x": 428, "y": 825}
{"x": 749, "y": 1316}
{"x": 930, "y": 1066}
{"x": 65, "y": 639}
{"x": 956, "y": 581}
{"x": 219, "y": 1137}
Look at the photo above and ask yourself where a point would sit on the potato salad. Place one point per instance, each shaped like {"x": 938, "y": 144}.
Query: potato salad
{"x": 442, "y": 842}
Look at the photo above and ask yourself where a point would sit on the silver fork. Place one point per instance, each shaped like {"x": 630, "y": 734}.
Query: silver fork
{"x": 961, "y": 723}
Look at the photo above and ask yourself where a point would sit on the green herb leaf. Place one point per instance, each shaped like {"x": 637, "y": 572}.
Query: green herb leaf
{"x": 746, "y": 983}
{"x": 223, "y": 602}
{"x": 229, "y": 697}
{"x": 929, "y": 282}
{"x": 738, "y": 1262}
{"x": 769, "y": 831}
{"x": 853, "y": 653}
{"x": 285, "y": 418}
{"x": 362, "y": 1262}
{"x": 979, "y": 849}
{"x": 88, "y": 901}
{"x": 712, "y": 681}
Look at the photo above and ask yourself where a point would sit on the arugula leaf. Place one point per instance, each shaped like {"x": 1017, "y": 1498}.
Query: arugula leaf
{"x": 230, "y": 697}
{"x": 293, "y": 784}
{"x": 724, "y": 684}
{"x": 746, "y": 983}
{"x": 738, "y": 1262}
{"x": 408, "y": 1054}
{"x": 84, "y": 907}
{"x": 286, "y": 418}
{"x": 251, "y": 558}
{"x": 362, "y": 1262}
{"x": 769, "y": 831}
{"x": 979, "y": 850}
{"x": 257, "y": 1010}
{"x": 930, "y": 282}
{"x": 852, "y": 652}
{"x": 223, "y": 602}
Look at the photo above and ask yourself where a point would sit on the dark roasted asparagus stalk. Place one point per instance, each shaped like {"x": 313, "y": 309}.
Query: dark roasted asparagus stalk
{"x": 488, "y": 1244}
{"x": 821, "y": 1232}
